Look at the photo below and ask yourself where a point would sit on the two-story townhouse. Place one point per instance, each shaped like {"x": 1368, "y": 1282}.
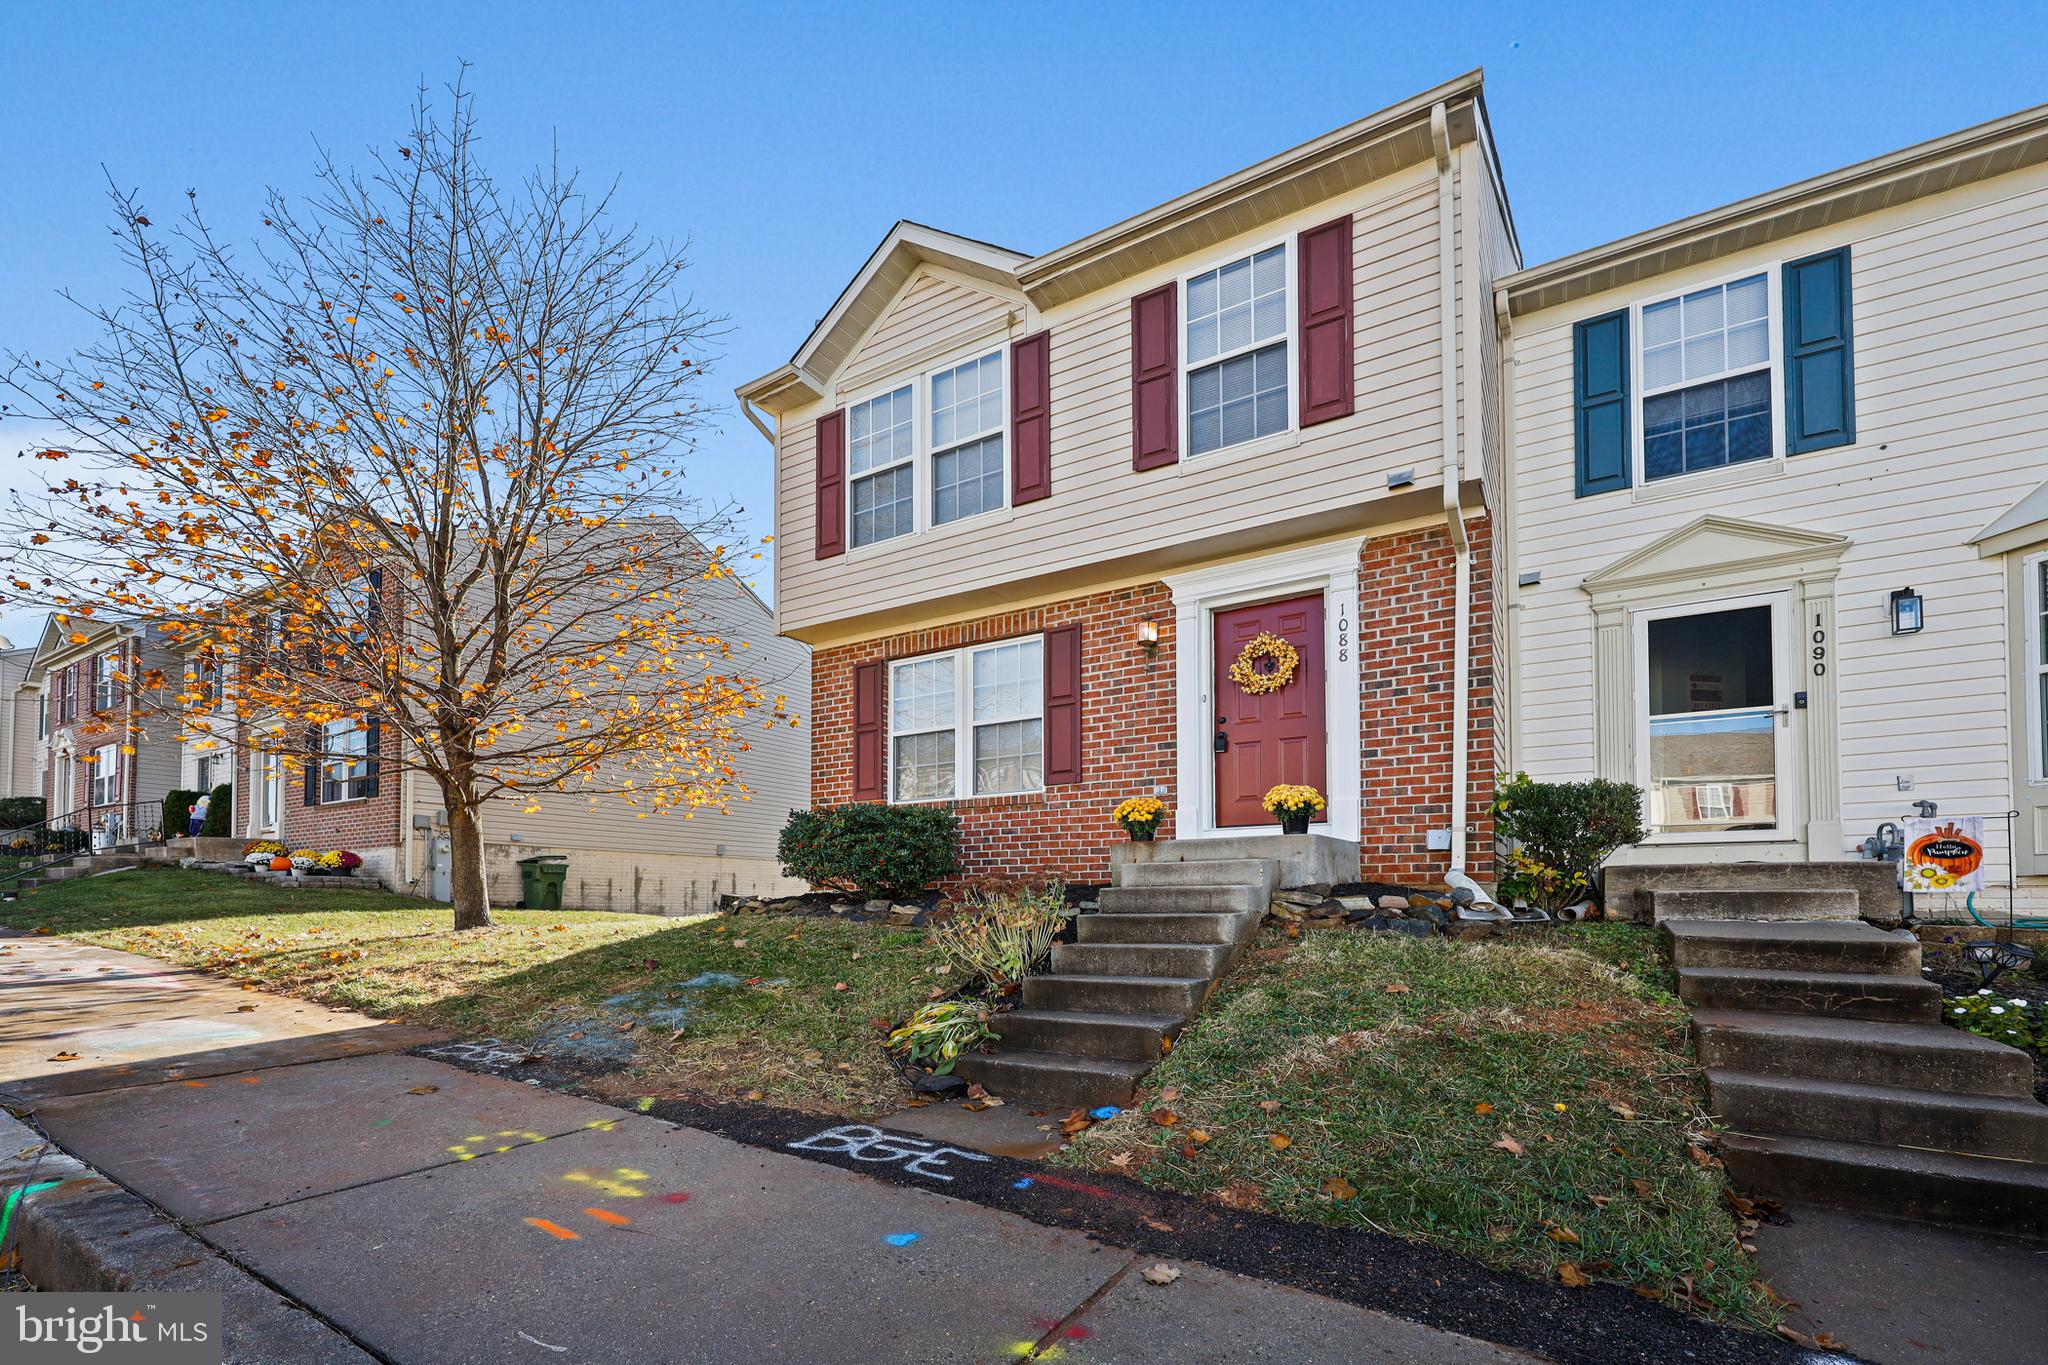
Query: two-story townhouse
{"x": 107, "y": 754}
{"x": 1776, "y": 526}
{"x": 20, "y": 709}
{"x": 331, "y": 787}
{"x": 1032, "y": 509}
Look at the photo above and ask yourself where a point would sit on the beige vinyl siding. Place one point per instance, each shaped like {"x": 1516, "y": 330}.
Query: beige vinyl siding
{"x": 1104, "y": 517}
{"x": 933, "y": 316}
{"x": 1950, "y": 299}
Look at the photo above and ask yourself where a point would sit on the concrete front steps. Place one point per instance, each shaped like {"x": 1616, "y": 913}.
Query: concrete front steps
{"x": 1825, "y": 1059}
{"x": 1176, "y": 917}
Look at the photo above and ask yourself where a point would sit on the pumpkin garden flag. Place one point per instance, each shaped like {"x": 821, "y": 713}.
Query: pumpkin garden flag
{"x": 1944, "y": 855}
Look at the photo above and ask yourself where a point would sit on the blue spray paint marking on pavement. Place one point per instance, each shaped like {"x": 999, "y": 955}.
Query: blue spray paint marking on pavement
{"x": 1023, "y": 1184}
{"x": 900, "y": 1239}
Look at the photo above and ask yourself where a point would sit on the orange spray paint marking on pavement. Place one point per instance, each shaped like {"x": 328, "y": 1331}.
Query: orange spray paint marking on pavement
{"x": 252, "y": 1080}
{"x": 617, "y": 1220}
{"x": 196, "y": 1085}
{"x": 554, "y": 1229}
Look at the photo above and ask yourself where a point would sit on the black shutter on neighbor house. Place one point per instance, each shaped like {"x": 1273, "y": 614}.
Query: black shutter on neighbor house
{"x": 373, "y": 748}
{"x": 313, "y": 766}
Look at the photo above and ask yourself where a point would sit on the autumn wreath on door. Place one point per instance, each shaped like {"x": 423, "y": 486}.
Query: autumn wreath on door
{"x": 1265, "y": 664}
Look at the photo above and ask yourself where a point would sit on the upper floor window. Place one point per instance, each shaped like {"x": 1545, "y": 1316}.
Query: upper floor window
{"x": 928, "y": 452}
{"x": 1706, "y": 378}
{"x": 1236, "y": 348}
{"x": 970, "y": 722}
{"x": 344, "y": 761}
{"x": 104, "y": 669}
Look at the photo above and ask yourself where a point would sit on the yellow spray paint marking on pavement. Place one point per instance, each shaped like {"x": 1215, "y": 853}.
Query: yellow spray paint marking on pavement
{"x": 621, "y": 1182}
{"x": 470, "y": 1148}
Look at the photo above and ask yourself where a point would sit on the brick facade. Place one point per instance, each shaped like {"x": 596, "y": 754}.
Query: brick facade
{"x": 1128, "y": 719}
{"x": 1127, "y": 733}
{"x": 1405, "y": 631}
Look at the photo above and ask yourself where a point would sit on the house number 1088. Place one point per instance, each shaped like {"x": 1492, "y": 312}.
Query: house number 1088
{"x": 1343, "y": 636}
{"x": 1820, "y": 647}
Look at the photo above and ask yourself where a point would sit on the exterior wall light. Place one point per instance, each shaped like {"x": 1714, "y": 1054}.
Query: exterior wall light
{"x": 1148, "y": 635}
{"x": 1908, "y": 614}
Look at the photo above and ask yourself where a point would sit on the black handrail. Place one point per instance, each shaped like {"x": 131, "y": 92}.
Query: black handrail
{"x": 60, "y": 838}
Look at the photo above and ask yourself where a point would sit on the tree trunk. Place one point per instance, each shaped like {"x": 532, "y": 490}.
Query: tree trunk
{"x": 467, "y": 886}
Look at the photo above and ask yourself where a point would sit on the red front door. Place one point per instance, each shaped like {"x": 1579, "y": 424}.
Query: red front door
{"x": 1271, "y": 737}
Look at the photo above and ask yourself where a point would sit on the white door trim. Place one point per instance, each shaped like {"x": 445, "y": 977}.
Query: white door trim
{"x": 1332, "y": 570}
{"x": 1784, "y": 741}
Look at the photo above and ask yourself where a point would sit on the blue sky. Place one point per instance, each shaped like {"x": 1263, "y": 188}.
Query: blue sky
{"x": 783, "y": 140}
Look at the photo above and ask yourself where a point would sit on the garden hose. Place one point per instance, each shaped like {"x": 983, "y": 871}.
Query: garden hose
{"x": 1970, "y": 905}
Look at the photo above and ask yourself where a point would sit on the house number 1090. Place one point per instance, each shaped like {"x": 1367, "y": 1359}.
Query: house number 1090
{"x": 1820, "y": 647}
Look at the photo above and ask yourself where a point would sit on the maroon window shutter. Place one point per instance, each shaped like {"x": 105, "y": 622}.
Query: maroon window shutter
{"x": 1062, "y": 706}
{"x": 867, "y": 732}
{"x": 831, "y": 507}
{"x": 1031, "y": 419}
{"x": 1155, "y": 379}
{"x": 1326, "y": 383}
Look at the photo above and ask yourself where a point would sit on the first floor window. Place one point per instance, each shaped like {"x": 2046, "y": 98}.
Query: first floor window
{"x": 106, "y": 775}
{"x": 968, "y": 723}
{"x": 2038, "y": 664}
{"x": 344, "y": 761}
{"x": 1236, "y": 346}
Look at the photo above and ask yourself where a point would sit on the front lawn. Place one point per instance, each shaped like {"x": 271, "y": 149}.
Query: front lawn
{"x": 1528, "y": 1103}
{"x": 779, "y": 1006}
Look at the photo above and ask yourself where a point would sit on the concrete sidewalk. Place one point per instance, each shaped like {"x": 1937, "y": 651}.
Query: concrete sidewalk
{"x": 429, "y": 1214}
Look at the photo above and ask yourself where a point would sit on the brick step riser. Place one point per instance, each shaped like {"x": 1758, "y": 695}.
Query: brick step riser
{"x": 1987, "y": 1202}
{"x": 1991, "y": 1130}
{"x": 1140, "y": 959}
{"x": 1001, "y": 1076}
{"x": 1084, "y": 1038}
{"x": 1876, "y": 958}
{"x": 1888, "y": 1000}
{"x": 1132, "y": 997}
{"x": 1135, "y": 928}
{"x": 2009, "y": 1075}
{"x": 1182, "y": 900}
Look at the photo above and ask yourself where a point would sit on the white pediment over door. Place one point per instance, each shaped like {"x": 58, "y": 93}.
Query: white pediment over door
{"x": 1717, "y": 551}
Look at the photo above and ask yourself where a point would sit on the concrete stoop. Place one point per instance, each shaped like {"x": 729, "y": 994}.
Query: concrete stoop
{"x": 1175, "y": 918}
{"x": 1825, "y": 1058}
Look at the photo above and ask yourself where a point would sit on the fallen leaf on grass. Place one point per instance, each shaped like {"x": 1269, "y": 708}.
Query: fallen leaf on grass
{"x": 1270, "y": 1106}
{"x": 1649, "y": 1293}
{"x": 1509, "y": 1145}
{"x": 1622, "y": 1111}
{"x": 1165, "y": 1118}
{"x": 1561, "y": 1234}
{"x": 1160, "y": 1274}
{"x": 1600, "y": 1201}
{"x": 1120, "y": 1160}
{"x": 1281, "y": 1142}
{"x": 837, "y": 985}
{"x": 1398, "y": 988}
{"x": 1571, "y": 1277}
{"x": 1641, "y": 1186}
{"x": 1482, "y": 1109}
{"x": 1169, "y": 1095}
{"x": 1198, "y": 1135}
{"x": 739, "y": 943}
{"x": 1702, "y": 1157}
{"x": 1337, "y": 1187}
{"x": 1073, "y": 1123}
{"x": 753, "y": 1094}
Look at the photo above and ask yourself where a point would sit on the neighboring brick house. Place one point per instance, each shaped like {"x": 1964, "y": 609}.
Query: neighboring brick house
{"x": 1030, "y": 509}
{"x": 351, "y": 797}
{"x": 106, "y": 755}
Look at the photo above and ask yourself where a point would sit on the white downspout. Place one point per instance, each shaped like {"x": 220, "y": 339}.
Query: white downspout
{"x": 1454, "y": 515}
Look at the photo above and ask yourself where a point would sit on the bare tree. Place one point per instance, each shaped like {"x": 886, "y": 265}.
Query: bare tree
{"x": 415, "y": 460}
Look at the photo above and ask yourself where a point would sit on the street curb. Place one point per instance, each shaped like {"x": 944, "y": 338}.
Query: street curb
{"x": 78, "y": 1231}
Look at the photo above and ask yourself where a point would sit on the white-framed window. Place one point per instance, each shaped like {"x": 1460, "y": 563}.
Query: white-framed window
{"x": 1706, "y": 362}
{"x": 104, "y": 668}
{"x": 344, "y": 761}
{"x": 1236, "y": 331}
{"x": 106, "y": 775}
{"x": 2034, "y": 573}
{"x": 42, "y": 717}
{"x": 970, "y": 722}
{"x": 930, "y": 452}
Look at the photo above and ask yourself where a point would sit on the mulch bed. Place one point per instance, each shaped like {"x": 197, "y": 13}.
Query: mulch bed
{"x": 1959, "y": 979}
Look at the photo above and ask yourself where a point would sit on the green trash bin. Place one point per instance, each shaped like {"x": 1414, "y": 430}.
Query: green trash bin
{"x": 540, "y": 881}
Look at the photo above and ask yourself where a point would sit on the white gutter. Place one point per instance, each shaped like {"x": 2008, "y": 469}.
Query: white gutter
{"x": 1454, "y": 514}
{"x": 1507, "y": 683}
{"x": 747, "y": 409}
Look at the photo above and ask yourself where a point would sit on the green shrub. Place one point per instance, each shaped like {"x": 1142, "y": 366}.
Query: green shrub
{"x": 19, "y": 812}
{"x": 220, "y": 813}
{"x": 178, "y": 812}
{"x": 1560, "y": 834}
{"x": 875, "y": 850}
{"x": 1002, "y": 935}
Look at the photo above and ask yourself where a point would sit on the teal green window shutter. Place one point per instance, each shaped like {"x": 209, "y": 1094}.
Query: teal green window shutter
{"x": 1600, "y": 388}
{"x": 1820, "y": 372}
